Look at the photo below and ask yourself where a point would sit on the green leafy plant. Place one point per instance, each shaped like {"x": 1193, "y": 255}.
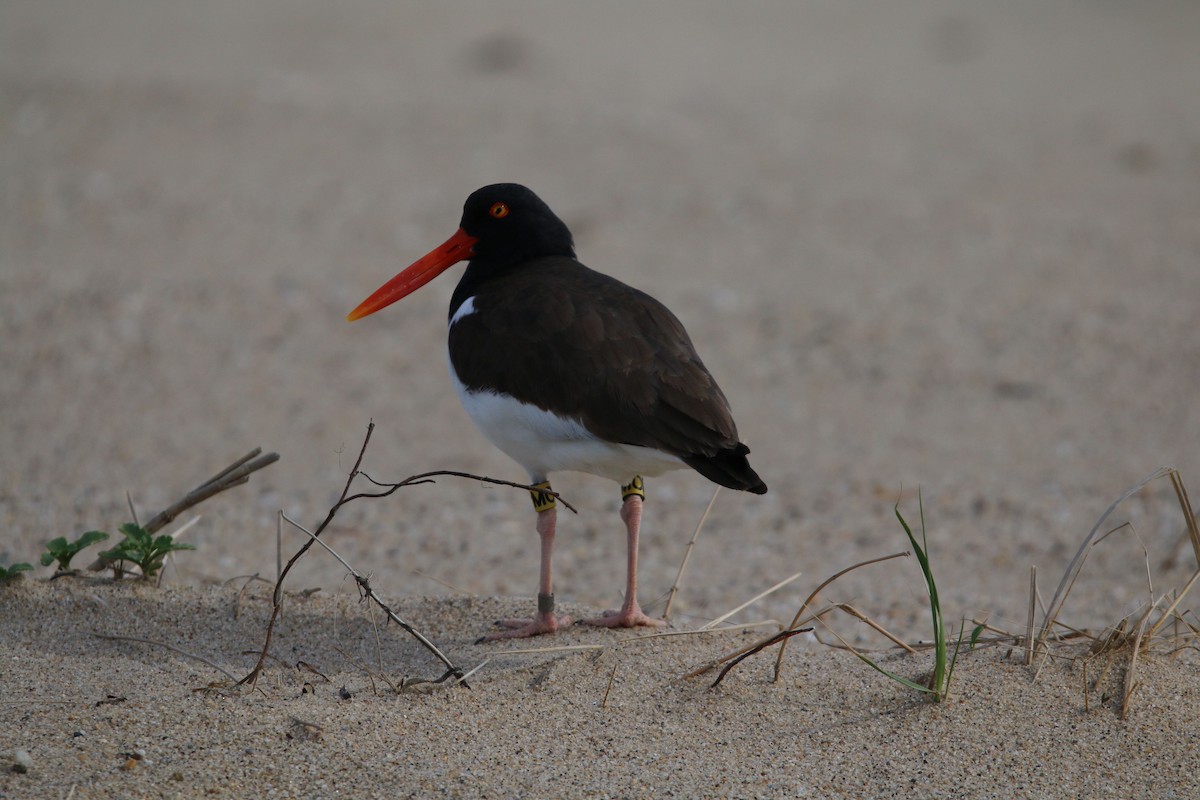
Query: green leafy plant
{"x": 144, "y": 549}
{"x": 62, "y": 551}
{"x": 8, "y": 573}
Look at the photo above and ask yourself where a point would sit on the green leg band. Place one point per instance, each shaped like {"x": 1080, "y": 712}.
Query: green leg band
{"x": 545, "y": 603}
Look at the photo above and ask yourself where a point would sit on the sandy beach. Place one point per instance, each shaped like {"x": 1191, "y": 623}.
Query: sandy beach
{"x": 925, "y": 248}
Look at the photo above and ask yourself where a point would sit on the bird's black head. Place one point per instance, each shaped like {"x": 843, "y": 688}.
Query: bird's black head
{"x": 512, "y": 224}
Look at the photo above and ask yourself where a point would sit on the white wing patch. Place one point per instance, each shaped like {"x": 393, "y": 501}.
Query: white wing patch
{"x": 466, "y": 309}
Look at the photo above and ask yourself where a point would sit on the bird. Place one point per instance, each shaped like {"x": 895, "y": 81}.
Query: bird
{"x": 562, "y": 367}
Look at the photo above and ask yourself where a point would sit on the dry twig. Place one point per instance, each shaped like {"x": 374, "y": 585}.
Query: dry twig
{"x": 387, "y": 489}
{"x": 782, "y": 636}
{"x": 170, "y": 647}
{"x": 364, "y": 586}
{"x": 804, "y": 606}
{"x": 714, "y": 623}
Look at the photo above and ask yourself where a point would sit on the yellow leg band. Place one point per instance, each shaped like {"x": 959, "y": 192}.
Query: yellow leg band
{"x": 634, "y": 487}
{"x": 542, "y": 499}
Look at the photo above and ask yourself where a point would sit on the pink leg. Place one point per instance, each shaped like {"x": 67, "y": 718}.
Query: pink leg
{"x": 630, "y": 614}
{"x": 546, "y": 620}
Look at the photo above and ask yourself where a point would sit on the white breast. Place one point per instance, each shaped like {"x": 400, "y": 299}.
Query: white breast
{"x": 543, "y": 442}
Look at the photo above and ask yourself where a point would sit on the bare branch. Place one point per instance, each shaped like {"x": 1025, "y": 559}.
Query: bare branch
{"x": 364, "y": 585}
{"x": 314, "y": 536}
{"x": 782, "y": 636}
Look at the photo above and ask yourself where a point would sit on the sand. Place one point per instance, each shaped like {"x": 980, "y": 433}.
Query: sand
{"x": 922, "y": 246}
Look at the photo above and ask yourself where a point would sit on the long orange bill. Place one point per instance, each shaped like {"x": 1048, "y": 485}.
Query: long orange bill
{"x": 455, "y": 249}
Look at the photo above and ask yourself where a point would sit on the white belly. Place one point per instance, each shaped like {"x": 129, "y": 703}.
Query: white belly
{"x": 543, "y": 442}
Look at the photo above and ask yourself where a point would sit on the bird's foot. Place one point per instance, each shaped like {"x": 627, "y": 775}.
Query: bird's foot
{"x": 632, "y": 617}
{"x": 524, "y": 628}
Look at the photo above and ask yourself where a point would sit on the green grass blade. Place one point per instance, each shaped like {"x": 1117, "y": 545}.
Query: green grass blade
{"x": 897, "y": 678}
{"x": 940, "y": 681}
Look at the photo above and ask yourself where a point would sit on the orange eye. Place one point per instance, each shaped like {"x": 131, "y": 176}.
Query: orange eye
{"x": 499, "y": 210}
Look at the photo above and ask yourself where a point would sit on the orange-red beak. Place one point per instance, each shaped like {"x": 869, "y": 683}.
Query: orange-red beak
{"x": 455, "y": 249}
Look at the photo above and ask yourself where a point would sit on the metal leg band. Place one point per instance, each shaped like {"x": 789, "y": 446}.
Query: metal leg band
{"x": 545, "y": 603}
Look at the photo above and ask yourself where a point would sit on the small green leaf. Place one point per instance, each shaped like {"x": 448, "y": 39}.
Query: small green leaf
{"x": 62, "y": 551}
{"x": 134, "y": 531}
{"x": 143, "y": 549}
{"x": 90, "y": 538}
{"x": 975, "y": 634}
{"x": 8, "y": 573}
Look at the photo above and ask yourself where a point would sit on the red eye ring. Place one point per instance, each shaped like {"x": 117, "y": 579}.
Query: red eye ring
{"x": 499, "y": 210}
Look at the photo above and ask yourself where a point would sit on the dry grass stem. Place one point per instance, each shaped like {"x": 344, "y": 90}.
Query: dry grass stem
{"x": 370, "y": 673}
{"x": 237, "y": 604}
{"x": 566, "y": 648}
{"x": 428, "y": 477}
{"x": 611, "y": 676}
{"x": 170, "y": 647}
{"x": 782, "y": 636}
{"x": 861, "y": 617}
{"x": 170, "y": 559}
{"x": 1170, "y": 612}
{"x": 700, "y": 631}
{"x": 1131, "y": 682}
{"x": 687, "y": 553}
{"x": 1068, "y": 578}
{"x": 1032, "y": 614}
{"x": 1139, "y": 633}
{"x": 470, "y": 673}
{"x": 714, "y": 623}
{"x": 441, "y": 582}
{"x": 808, "y": 602}
{"x": 1189, "y": 517}
{"x": 1086, "y": 708}
{"x": 761, "y": 644}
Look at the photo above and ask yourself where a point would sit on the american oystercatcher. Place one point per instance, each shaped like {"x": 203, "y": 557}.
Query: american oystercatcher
{"x": 564, "y": 368}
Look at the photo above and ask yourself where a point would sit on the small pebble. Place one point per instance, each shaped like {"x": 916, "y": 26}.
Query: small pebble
{"x": 22, "y": 761}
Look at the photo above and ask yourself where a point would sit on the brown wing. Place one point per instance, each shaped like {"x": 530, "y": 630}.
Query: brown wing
{"x": 594, "y": 349}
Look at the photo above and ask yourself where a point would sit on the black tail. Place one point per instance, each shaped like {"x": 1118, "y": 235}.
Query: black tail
{"x": 729, "y": 468}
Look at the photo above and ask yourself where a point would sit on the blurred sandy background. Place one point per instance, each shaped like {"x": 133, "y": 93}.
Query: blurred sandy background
{"x": 938, "y": 245}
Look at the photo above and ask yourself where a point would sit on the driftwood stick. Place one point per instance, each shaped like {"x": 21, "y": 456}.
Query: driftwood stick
{"x": 235, "y": 474}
